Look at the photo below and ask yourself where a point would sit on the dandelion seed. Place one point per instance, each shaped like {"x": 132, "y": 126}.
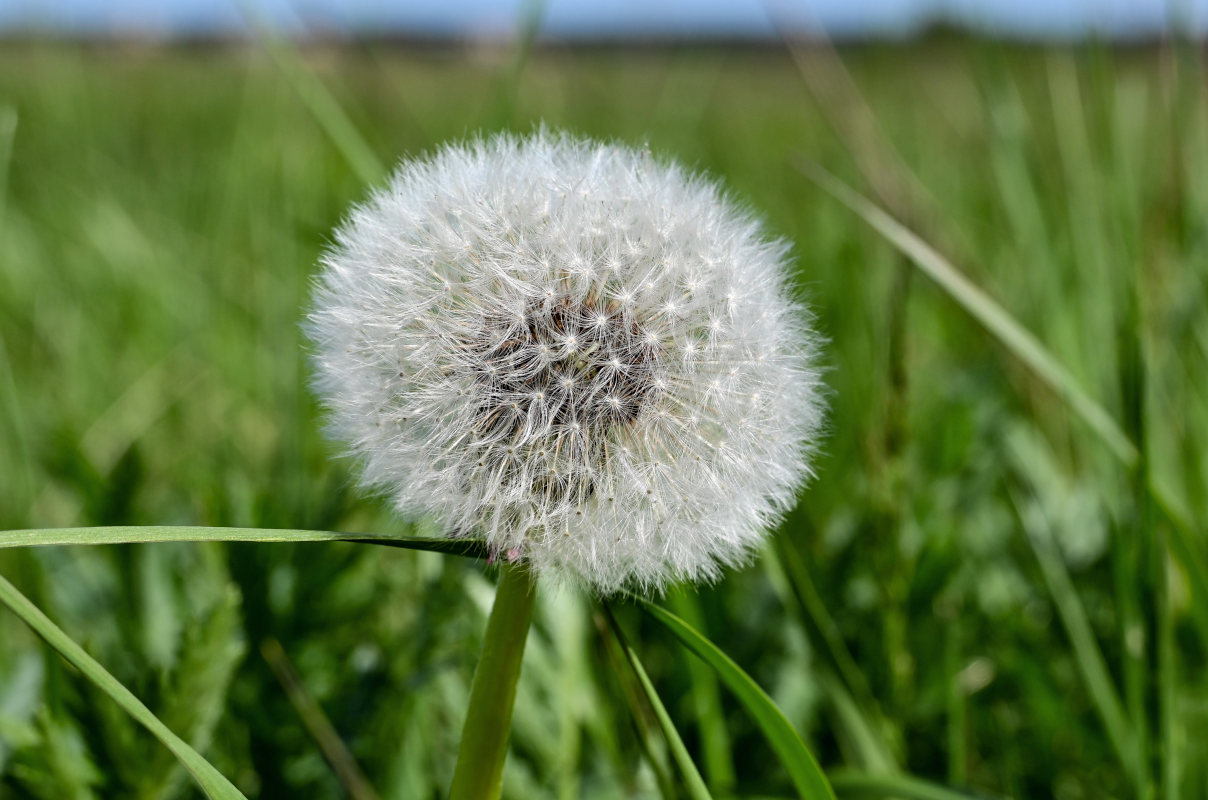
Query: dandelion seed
{"x": 590, "y": 405}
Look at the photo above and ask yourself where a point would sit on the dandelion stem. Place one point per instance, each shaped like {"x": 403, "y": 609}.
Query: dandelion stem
{"x": 484, "y": 739}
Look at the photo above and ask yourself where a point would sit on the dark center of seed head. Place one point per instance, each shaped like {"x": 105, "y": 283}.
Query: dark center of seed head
{"x": 564, "y": 364}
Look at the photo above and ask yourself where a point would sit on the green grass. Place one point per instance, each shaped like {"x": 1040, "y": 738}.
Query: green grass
{"x": 980, "y": 588}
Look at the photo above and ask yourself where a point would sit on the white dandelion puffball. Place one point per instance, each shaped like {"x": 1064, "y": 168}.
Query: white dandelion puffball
{"x": 583, "y": 356}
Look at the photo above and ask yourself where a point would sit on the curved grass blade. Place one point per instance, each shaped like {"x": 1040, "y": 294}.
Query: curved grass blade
{"x": 693, "y": 781}
{"x": 807, "y": 777}
{"x": 715, "y": 747}
{"x": 900, "y": 787}
{"x": 982, "y": 307}
{"x": 144, "y": 534}
{"x": 653, "y": 747}
{"x": 862, "y": 745}
{"x": 1027, "y": 348}
{"x": 318, "y": 99}
{"x": 211, "y": 781}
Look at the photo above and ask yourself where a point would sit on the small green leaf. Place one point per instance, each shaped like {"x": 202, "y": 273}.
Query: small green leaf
{"x": 899, "y": 787}
{"x": 794, "y": 755}
{"x": 140, "y": 534}
{"x": 693, "y": 781}
{"x": 208, "y": 778}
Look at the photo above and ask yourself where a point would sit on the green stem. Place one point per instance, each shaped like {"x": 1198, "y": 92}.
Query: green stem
{"x": 484, "y": 739}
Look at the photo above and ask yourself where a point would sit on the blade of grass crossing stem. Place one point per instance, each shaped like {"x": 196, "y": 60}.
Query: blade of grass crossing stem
{"x": 901, "y": 787}
{"x": 693, "y": 781}
{"x": 208, "y": 778}
{"x": 143, "y": 534}
{"x": 796, "y": 758}
{"x": 1028, "y": 349}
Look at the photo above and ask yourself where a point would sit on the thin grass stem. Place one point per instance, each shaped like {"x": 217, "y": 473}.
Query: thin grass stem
{"x": 349, "y": 773}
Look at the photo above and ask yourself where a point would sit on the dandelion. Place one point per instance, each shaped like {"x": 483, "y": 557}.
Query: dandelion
{"x": 588, "y": 358}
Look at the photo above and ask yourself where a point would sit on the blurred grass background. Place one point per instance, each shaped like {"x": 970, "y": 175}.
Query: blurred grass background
{"x": 161, "y": 211}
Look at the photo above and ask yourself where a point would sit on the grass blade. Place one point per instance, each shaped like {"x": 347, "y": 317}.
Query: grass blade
{"x": 901, "y": 787}
{"x": 208, "y": 778}
{"x": 715, "y": 745}
{"x": 651, "y": 744}
{"x": 996, "y": 319}
{"x": 859, "y": 725}
{"x": 531, "y": 15}
{"x": 693, "y": 781}
{"x": 1182, "y": 543}
{"x": 8, "y": 132}
{"x": 862, "y": 745}
{"x": 322, "y": 105}
{"x": 822, "y": 625}
{"x": 144, "y": 534}
{"x": 348, "y": 771}
{"x": 806, "y": 775}
{"x": 1087, "y": 654}
{"x": 1028, "y": 349}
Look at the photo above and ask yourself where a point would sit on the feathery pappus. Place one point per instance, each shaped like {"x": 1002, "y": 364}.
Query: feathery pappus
{"x": 585, "y": 356}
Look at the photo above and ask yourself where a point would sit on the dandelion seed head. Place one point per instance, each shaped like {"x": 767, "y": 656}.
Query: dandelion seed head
{"x": 588, "y": 358}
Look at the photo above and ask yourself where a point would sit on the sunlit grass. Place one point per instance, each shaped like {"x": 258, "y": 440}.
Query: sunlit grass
{"x": 953, "y": 604}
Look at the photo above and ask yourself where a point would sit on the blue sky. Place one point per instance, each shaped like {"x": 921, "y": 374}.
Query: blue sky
{"x": 605, "y": 17}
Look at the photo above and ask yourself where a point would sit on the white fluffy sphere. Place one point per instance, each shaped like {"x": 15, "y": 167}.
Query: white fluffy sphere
{"x": 584, "y": 356}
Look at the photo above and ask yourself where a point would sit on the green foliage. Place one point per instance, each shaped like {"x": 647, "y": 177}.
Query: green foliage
{"x": 784, "y": 739}
{"x": 975, "y": 591}
{"x": 689, "y": 776}
{"x": 213, "y": 783}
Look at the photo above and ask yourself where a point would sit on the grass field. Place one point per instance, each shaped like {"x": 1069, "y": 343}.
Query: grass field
{"x": 980, "y": 588}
